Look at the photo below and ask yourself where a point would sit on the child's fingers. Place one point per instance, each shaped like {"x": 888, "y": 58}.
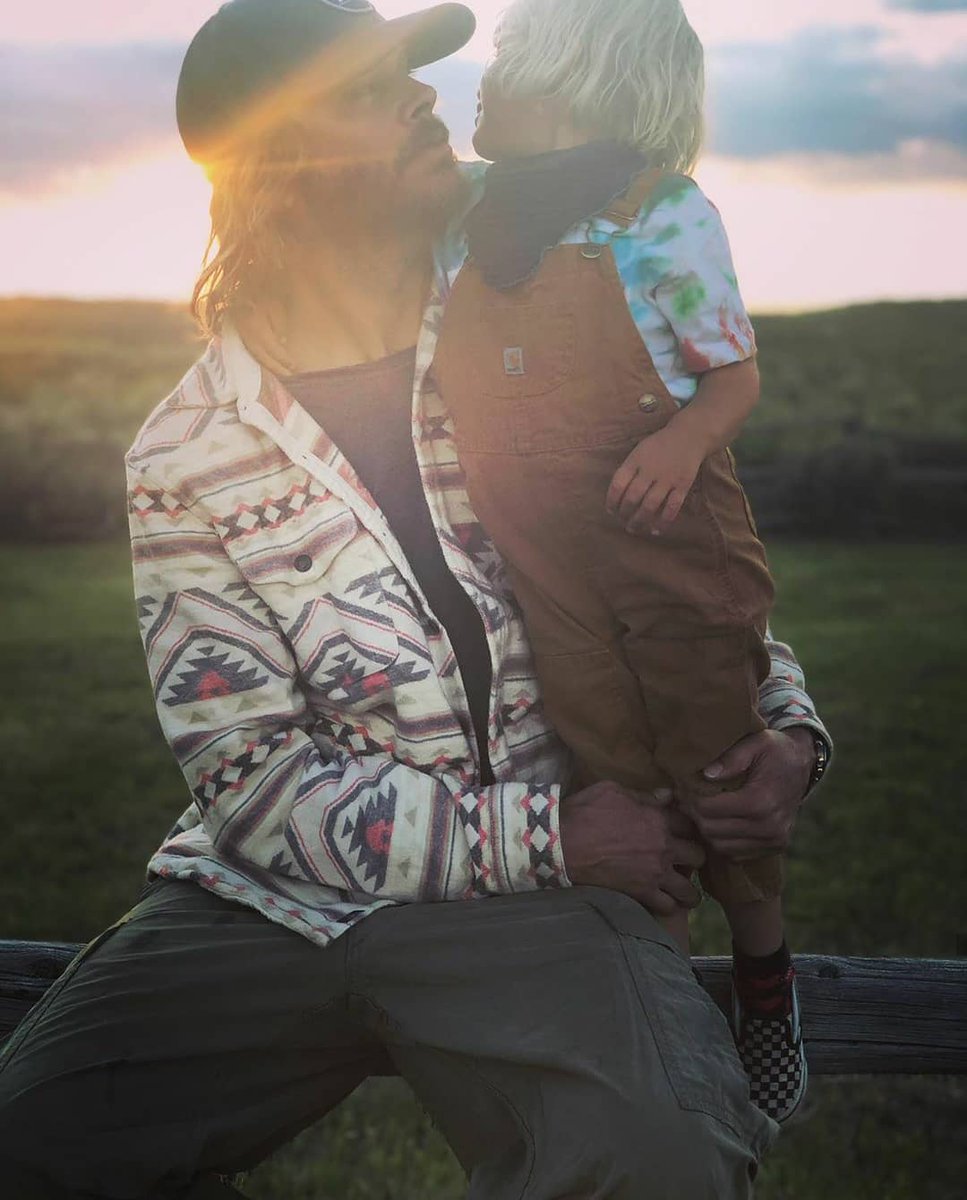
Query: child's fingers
{"x": 634, "y": 506}
{"x": 669, "y": 513}
{"x": 645, "y": 515}
{"x": 635, "y": 495}
{"x": 622, "y": 480}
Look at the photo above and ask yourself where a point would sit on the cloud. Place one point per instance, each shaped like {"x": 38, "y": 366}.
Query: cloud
{"x": 831, "y": 91}
{"x": 825, "y": 94}
{"x": 68, "y": 107}
{"x": 928, "y": 6}
{"x": 828, "y": 97}
{"x": 912, "y": 164}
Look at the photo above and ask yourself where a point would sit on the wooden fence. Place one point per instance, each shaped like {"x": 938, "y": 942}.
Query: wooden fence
{"x": 900, "y": 1016}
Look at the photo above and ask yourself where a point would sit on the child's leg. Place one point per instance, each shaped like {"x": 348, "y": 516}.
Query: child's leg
{"x": 750, "y": 894}
{"x": 756, "y": 926}
{"x": 765, "y": 1014}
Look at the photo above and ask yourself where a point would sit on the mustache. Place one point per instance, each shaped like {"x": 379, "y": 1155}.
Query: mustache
{"x": 430, "y": 132}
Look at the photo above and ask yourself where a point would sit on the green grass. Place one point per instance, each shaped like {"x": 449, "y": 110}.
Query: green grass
{"x": 90, "y": 783}
{"x": 851, "y": 397}
{"x": 88, "y": 789}
{"x": 879, "y": 865}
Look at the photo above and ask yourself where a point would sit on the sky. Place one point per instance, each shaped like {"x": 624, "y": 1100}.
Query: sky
{"x": 837, "y": 147}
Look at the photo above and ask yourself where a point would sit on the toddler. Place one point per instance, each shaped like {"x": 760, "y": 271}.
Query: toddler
{"x": 597, "y": 360}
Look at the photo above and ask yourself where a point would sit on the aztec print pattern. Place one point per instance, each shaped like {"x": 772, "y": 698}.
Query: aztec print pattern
{"x": 305, "y": 688}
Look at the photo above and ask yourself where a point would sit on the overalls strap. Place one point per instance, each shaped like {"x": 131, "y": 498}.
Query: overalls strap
{"x": 626, "y": 208}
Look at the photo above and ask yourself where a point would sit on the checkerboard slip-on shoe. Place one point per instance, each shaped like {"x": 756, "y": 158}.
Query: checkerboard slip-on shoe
{"x": 772, "y": 1052}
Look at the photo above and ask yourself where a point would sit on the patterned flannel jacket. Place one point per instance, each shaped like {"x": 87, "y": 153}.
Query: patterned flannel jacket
{"x": 312, "y": 699}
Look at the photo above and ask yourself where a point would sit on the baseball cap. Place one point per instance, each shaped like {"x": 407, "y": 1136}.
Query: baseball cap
{"x": 250, "y": 51}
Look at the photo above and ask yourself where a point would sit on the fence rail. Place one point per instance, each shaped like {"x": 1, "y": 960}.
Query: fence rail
{"x": 864, "y": 1016}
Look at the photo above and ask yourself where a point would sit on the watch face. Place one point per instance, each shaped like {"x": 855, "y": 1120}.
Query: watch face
{"x": 822, "y": 757}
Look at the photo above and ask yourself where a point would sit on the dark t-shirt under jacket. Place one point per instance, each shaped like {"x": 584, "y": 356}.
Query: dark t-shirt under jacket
{"x": 367, "y": 411}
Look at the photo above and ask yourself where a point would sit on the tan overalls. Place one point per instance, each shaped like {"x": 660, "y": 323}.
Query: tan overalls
{"x": 649, "y": 650}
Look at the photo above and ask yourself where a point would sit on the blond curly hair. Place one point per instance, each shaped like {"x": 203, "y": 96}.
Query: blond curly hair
{"x": 632, "y": 70}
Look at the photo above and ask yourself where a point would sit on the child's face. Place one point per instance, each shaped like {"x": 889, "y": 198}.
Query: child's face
{"x": 514, "y": 126}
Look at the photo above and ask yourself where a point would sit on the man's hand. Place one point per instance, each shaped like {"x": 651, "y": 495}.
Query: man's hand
{"x": 649, "y": 488}
{"x": 631, "y": 842}
{"x": 758, "y": 817}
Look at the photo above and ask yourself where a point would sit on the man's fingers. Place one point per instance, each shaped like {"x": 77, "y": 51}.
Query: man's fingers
{"x": 659, "y": 798}
{"x": 730, "y": 829}
{"x": 736, "y": 760}
{"x": 686, "y": 853}
{"x": 659, "y": 904}
{"x": 742, "y": 850}
{"x": 671, "y": 895}
{"x": 746, "y": 805}
{"x": 680, "y": 825}
{"x": 766, "y": 827}
{"x": 681, "y": 891}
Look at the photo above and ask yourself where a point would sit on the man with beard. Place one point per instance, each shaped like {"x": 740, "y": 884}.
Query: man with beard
{"x": 342, "y": 674}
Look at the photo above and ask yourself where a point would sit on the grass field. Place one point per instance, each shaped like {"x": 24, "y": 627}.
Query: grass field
{"x": 88, "y": 789}
{"x": 853, "y": 400}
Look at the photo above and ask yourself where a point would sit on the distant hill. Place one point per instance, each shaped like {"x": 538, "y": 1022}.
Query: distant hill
{"x": 897, "y": 367}
{"x": 875, "y": 385}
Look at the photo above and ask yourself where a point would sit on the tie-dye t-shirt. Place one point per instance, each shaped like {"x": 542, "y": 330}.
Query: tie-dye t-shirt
{"x": 676, "y": 267}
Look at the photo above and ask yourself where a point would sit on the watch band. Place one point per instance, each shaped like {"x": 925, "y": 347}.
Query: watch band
{"x": 821, "y": 762}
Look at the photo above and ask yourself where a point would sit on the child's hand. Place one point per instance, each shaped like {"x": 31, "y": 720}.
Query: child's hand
{"x": 649, "y": 488}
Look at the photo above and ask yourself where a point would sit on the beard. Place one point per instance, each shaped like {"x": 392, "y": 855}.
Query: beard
{"x": 402, "y": 193}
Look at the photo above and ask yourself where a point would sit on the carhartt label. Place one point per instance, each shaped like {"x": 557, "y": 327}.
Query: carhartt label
{"x": 513, "y": 360}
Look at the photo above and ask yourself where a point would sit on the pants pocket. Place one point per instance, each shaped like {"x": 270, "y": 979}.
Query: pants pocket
{"x": 692, "y": 1035}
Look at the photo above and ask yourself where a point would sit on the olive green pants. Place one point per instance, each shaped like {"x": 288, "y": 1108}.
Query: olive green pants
{"x": 561, "y": 1044}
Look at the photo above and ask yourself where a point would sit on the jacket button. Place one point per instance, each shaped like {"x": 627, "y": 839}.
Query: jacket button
{"x": 303, "y": 563}
{"x": 648, "y": 402}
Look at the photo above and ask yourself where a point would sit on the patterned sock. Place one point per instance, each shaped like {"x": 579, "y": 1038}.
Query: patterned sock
{"x": 764, "y": 982}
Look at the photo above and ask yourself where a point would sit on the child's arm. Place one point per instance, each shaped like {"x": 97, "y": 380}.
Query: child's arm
{"x": 650, "y": 486}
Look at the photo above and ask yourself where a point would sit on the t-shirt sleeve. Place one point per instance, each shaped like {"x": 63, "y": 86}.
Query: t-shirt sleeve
{"x": 694, "y": 284}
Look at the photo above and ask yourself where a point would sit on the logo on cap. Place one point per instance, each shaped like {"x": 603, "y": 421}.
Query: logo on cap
{"x": 355, "y": 6}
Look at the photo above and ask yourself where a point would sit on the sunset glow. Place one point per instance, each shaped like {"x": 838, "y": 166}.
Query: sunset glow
{"x": 816, "y": 216}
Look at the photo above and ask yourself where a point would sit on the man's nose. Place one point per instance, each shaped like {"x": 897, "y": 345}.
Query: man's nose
{"x": 421, "y": 100}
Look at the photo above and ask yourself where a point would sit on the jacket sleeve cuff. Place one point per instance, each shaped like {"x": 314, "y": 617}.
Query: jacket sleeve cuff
{"x": 514, "y": 835}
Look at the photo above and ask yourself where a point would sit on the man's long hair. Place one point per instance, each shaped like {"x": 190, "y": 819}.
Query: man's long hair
{"x": 253, "y": 192}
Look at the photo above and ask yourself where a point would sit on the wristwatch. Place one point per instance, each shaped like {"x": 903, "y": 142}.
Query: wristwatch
{"x": 820, "y": 762}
